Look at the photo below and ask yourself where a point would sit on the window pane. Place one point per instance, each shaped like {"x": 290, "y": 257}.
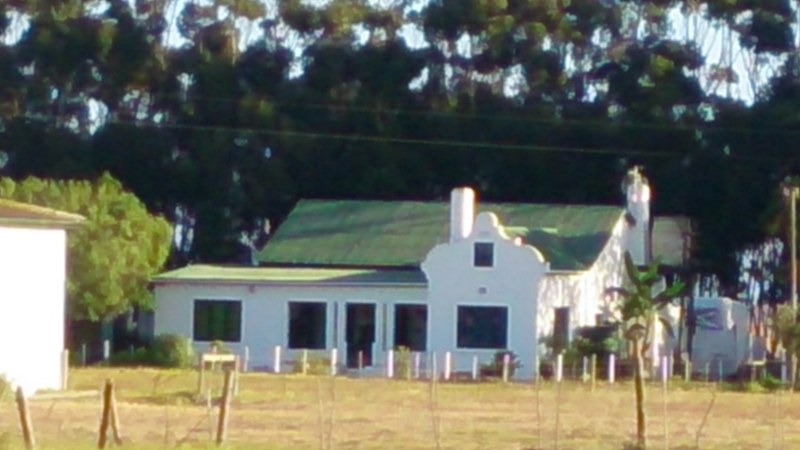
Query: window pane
{"x": 482, "y": 327}
{"x": 217, "y": 320}
{"x": 307, "y": 325}
{"x": 411, "y": 327}
{"x": 484, "y": 254}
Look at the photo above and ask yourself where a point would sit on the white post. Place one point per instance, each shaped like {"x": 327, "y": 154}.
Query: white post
{"x": 277, "y": 357}
{"x": 106, "y": 349}
{"x": 305, "y": 362}
{"x": 64, "y": 369}
{"x": 782, "y": 358}
{"x": 434, "y": 367}
{"x": 83, "y": 354}
{"x": 474, "y": 368}
{"x": 559, "y": 367}
{"x": 334, "y": 362}
{"x": 720, "y": 379}
{"x": 585, "y": 376}
{"x": 416, "y": 365}
{"x": 664, "y": 370}
{"x": 246, "y": 359}
{"x": 611, "y": 368}
{"x": 390, "y": 364}
{"x": 448, "y": 365}
{"x": 506, "y": 362}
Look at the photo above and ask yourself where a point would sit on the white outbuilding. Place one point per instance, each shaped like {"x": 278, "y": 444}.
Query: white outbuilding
{"x": 33, "y": 258}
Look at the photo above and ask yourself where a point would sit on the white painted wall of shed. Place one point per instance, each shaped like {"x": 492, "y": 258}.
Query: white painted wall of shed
{"x": 32, "y": 283}
{"x": 512, "y": 282}
{"x": 265, "y": 313}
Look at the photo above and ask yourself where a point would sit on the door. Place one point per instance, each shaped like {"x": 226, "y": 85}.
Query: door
{"x": 359, "y": 333}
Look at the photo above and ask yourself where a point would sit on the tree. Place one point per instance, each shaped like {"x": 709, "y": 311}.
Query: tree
{"x": 640, "y": 308}
{"x": 113, "y": 255}
{"x": 787, "y": 329}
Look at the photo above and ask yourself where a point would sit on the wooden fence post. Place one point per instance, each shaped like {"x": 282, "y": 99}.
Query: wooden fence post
{"x": 224, "y": 408}
{"x": 109, "y": 417}
{"x": 25, "y": 423}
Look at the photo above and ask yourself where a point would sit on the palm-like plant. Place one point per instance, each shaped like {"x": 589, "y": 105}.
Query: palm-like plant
{"x": 640, "y": 308}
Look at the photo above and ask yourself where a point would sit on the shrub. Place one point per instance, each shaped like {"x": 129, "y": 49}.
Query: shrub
{"x": 316, "y": 365}
{"x": 171, "y": 350}
{"x": 402, "y": 362}
{"x": 495, "y": 368}
{"x": 166, "y": 350}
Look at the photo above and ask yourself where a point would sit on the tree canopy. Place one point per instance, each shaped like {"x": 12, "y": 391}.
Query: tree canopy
{"x": 112, "y": 255}
{"x": 221, "y": 114}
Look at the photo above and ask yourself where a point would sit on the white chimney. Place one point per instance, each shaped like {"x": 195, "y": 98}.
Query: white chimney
{"x": 462, "y": 213}
{"x": 638, "y": 198}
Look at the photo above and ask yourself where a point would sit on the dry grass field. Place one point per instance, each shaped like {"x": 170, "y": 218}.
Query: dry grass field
{"x": 157, "y": 409}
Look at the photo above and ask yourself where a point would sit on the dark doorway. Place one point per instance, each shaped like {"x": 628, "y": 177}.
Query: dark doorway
{"x": 411, "y": 327}
{"x": 561, "y": 330}
{"x": 359, "y": 333}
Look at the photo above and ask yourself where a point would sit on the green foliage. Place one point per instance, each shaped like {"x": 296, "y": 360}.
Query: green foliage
{"x": 317, "y": 364}
{"x": 403, "y": 362}
{"x": 166, "y": 350}
{"x": 787, "y": 329}
{"x": 113, "y": 254}
{"x": 494, "y": 369}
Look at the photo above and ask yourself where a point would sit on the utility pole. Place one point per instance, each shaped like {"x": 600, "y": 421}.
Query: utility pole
{"x": 790, "y": 189}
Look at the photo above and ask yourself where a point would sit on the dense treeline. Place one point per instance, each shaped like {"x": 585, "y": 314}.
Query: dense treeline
{"x": 221, "y": 114}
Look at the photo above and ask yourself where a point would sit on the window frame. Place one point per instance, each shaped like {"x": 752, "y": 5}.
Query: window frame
{"x": 507, "y": 337}
{"x": 475, "y": 254}
{"x": 238, "y": 301}
{"x": 326, "y": 337}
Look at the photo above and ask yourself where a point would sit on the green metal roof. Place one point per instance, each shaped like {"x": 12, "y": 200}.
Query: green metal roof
{"x": 210, "y": 273}
{"x": 400, "y": 233}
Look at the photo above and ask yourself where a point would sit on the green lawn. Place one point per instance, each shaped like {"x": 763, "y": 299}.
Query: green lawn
{"x": 158, "y": 409}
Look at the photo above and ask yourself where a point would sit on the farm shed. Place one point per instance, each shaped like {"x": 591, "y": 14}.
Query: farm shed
{"x": 33, "y": 259}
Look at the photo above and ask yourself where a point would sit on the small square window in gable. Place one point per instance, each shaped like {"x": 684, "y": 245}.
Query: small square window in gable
{"x": 484, "y": 254}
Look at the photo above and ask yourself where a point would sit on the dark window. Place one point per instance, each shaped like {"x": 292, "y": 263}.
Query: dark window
{"x": 561, "y": 330}
{"x": 411, "y": 327}
{"x": 217, "y": 320}
{"x": 482, "y": 327}
{"x": 307, "y": 325}
{"x": 484, "y": 254}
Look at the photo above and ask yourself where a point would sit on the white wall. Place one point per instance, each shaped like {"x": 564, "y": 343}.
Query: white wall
{"x": 265, "y": 313}
{"x": 32, "y": 283}
{"x": 513, "y": 282}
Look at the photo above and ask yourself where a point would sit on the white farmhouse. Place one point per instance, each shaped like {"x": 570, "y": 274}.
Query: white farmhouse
{"x": 365, "y": 277}
{"x": 33, "y": 252}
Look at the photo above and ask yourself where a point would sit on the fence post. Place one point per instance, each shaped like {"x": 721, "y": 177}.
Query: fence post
{"x": 434, "y": 368}
{"x": 305, "y": 362}
{"x": 277, "y": 359}
{"x": 25, "y": 423}
{"x": 612, "y": 368}
{"x": 665, "y": 370}
{"x": 416, "y": 365}
{"x": 506, "y": 361}
{"x": 390, "y": 364}
{"x": 109, "y": 417}
{"x": 559, "y": 367}
{"x": 246, "y": 359}
{"x": 334, "y": 362}
{"x": 83, "y": 354}
{"x": 594, "y": 370}
{"x": 106, "y": 349}
{"x": 64, "y": 369}
{"x": 474, "y": 368}
{"x": 360, "y": 360}
{"x": 224, "y": 408}
{"x": 447, "y": 365}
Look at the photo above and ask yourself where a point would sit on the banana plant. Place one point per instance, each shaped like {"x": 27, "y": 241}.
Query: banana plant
{"x": 640, "y": 307}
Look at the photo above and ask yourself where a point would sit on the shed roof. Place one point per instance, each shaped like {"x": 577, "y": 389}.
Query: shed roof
{"x": 13, "y": 213}
{"x": 210, "y": 273}
{"x": 359, "y": 233}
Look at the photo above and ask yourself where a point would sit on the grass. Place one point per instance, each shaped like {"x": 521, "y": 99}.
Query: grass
{"x": 160, "y": 409}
